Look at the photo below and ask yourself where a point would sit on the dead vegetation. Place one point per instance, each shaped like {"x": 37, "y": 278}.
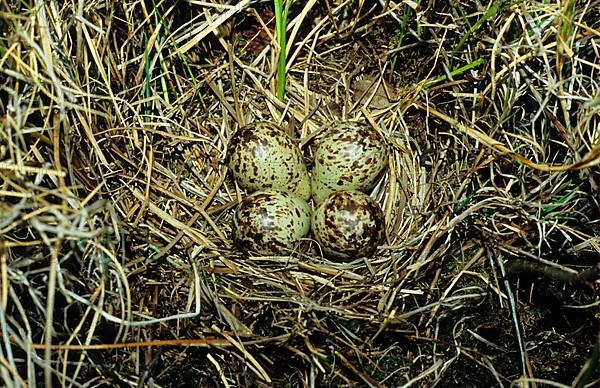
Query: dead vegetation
{"x": 117, "y": 266}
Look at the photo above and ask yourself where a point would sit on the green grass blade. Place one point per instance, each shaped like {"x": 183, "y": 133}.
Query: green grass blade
{"x": 491, "y": 12}
{"x": 182, "y": 58}
{"x": 280, "y": 30}
{"x": 454, "y": 72}
{"x": 401, "y": 34}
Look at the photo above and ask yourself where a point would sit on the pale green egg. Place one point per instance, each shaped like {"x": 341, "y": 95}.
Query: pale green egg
{"x": 349, "y": 156}
{"x": 262, "y": 156}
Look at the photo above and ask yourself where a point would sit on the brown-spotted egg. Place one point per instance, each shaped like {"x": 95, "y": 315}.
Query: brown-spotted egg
{"x": 271, "y": 222}
{"x": 262, "y": 156}
{"x": 350, "y": 156}
{"x": 348, "y": 225}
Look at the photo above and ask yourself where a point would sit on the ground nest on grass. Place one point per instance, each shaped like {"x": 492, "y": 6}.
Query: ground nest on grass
{"x": 117, "y": 262}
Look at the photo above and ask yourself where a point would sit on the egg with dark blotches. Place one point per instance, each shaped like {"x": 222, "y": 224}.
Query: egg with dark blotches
{"x": 261, "y": 156}
{"x": 348, "y": 225}
{"x": 349, "y": 156}
{"x": 271, "y": 222}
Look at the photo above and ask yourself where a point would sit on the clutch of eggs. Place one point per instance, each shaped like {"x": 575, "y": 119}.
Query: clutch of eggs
{"x": 349, "y": 158}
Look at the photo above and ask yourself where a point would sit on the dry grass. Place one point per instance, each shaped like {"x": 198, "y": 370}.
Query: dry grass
{"x": 116, "y": 261}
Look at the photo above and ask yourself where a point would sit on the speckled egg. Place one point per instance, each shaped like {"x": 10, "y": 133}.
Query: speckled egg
{"x": 348, "y": 225}
{"x": 262, "y": 156}
{"x": 350, "y": 156}
{"x": 271, "y": 222}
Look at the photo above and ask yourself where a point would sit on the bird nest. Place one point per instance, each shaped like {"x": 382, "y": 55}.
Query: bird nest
{"x": 116, "y": 206}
